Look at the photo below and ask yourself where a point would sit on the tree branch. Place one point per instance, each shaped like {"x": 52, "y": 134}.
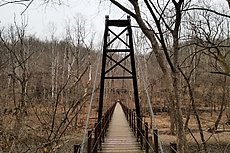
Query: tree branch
{"x": 15, "y": 2}
{"x": 123, "y": 8}
{"x": 222, "y": 73}
{"x": 161, "y": 35}
{"x": 205, "y": 9}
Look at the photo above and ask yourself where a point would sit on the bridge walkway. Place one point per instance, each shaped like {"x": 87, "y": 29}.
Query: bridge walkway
{"x": 119, "y": 137}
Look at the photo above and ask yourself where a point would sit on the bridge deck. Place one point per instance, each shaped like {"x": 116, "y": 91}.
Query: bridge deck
{"x": 119, "y": 138}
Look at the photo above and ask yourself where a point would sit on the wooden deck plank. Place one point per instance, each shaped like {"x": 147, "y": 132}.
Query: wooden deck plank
{"x": 120, "y": 138}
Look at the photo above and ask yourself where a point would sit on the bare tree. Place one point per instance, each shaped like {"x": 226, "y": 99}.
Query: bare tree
{"x": 170, "y": 24}
{"x": 28, "y": 109}
{"x": 19, "y": 72}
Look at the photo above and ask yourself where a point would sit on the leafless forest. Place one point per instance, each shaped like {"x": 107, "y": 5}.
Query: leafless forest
{"x": 182, "y": 57}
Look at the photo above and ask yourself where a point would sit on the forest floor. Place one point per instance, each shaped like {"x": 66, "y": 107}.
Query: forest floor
{"x": 218, "y": 142}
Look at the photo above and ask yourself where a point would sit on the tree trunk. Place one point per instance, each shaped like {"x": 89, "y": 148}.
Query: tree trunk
{"x": 223, "y": 105}
{"x": 52, "y": 73}
{"x": 172, "y": 115}
{"x": 181, "y": 137}
{"x": 191, "y": 95}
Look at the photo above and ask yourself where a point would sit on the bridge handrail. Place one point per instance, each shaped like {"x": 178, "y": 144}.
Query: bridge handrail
{"x": 98, "y": 137}
{"x": 131, "y": 117}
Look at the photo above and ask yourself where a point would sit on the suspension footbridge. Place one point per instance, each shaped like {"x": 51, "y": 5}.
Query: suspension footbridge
{"x": 119, "y": 128}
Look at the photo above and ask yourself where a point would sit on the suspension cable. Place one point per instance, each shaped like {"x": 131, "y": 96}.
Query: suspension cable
{"x": 149, "y": 102}
{"x": 90, "y": 105}
{"x": 148, "y": 98}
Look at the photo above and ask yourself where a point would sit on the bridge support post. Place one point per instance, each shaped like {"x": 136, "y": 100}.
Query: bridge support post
{"x": 129, "y": 118}
{"x": 173, "y": 147}
{"x": 156, "y": 146}
{"x": 89, "y": 141}
{"x": 146, "y": 138}
{"x": 76, "y": 148}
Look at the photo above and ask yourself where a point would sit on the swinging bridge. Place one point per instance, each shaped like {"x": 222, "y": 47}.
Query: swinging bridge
{"x": 120, "y": 128}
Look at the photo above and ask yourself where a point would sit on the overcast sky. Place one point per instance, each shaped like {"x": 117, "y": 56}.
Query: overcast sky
{"x": 41, "y": 17}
